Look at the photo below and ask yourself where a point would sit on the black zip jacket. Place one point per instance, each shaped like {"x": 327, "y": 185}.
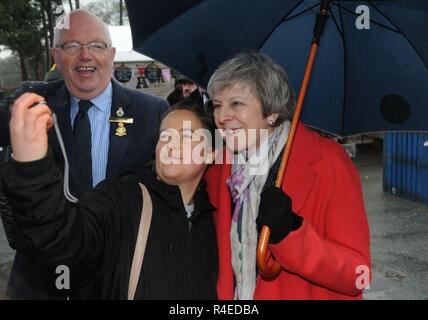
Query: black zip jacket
{"x": 96, "y": 238}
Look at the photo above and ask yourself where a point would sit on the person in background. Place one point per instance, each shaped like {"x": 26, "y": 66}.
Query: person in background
{"x": 176, "y": 95}
{"x": 186, "y": 88}
{"x": 319, "y": 232}
{"x": 90, "y": 107}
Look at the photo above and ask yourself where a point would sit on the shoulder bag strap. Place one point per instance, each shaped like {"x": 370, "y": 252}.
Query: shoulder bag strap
{"x": 140, "y": 246}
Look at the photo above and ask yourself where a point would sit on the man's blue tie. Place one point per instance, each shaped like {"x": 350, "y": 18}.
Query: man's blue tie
{"x": 82, "y": 147}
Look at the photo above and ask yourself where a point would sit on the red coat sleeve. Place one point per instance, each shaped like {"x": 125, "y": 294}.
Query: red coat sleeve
{"x": 332, "y": 246}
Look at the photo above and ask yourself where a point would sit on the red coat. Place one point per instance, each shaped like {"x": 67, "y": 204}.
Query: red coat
{"x": 321, "y": 258}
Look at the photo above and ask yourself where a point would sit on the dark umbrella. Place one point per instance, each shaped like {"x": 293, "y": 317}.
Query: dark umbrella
{"x": 364, "y": 80}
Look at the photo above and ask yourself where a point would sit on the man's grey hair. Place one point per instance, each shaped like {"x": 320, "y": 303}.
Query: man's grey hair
{"x": 63, "y": 22}
{"x": 266, "y": 79}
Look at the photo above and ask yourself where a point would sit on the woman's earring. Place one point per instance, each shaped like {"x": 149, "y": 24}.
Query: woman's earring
{"x": 271, "y": 122}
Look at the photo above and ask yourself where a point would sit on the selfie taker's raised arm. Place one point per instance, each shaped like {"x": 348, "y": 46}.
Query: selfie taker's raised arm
{"x": 49, "y": 228}
{"x": 55, "y": 231}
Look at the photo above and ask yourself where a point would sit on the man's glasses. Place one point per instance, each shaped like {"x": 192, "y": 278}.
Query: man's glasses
{"x": 75, "y": 47}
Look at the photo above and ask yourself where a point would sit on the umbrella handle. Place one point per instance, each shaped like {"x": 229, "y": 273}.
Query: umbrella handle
{"x": 265, "y": 271}
{"x": 272, "y": 272}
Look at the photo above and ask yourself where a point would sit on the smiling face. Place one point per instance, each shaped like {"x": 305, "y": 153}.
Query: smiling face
{"x": 180, "y": 137}
{"x": 86, "y": 73}
{"x": 237, "y": 112}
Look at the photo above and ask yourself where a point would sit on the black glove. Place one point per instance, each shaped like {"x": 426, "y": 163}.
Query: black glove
{"x": 275, "y": 212}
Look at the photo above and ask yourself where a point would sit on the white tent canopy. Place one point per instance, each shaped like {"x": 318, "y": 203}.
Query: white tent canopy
{"x": 122, "y": 40}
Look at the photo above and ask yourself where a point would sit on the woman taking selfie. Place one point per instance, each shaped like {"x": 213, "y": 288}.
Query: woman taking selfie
{"x": 96, "y": 237}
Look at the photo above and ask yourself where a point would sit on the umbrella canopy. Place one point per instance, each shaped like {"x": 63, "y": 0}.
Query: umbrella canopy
{"x": 363, "y": 80}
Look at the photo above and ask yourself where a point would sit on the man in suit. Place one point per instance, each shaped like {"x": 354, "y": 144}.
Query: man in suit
{"x": 107, "y": 129}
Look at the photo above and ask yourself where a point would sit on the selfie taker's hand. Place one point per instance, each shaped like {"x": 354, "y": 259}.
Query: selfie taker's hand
{"x": 28, "y": 128}
{"x": 275, "y": 212}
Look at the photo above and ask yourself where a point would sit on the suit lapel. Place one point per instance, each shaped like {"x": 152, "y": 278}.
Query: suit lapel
{"x": 300, "y": 177}
{"x": 118, "y": 144}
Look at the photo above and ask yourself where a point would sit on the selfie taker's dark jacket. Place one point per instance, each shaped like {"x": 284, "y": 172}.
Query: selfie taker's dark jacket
{"x": 96, "y": 237}
{"x": 28, "y": 279}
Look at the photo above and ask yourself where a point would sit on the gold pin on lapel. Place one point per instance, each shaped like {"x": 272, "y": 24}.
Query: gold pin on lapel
{"x": 123, "y": 120}
{"x": 120, "y": 130}
{"x": 120, "y": 120}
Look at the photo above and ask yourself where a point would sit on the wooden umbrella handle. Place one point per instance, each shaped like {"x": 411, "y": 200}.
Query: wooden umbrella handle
{"x": 272, "y": 272}
{"x": 265, "y": 271}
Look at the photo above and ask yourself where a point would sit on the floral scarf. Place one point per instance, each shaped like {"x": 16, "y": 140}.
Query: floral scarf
{"x": 246, "y": 183}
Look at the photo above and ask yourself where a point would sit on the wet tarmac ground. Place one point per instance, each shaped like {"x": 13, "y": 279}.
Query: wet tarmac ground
{"x": 399, "y": 237}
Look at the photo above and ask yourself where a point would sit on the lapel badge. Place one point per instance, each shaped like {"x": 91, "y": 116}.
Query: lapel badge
{"x": 120, "y": 130}
{"x": 120, "y": 120}
{"x": 120, "y": 112}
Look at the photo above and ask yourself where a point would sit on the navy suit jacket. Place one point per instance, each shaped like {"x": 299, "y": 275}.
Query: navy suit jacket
{"x": 28, "y": 279}
{"x": 126, "y": 152}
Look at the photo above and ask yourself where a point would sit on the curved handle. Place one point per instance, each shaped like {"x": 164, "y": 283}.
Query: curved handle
{"x": 272, "y": 272}
{"x": 265, "y": 271}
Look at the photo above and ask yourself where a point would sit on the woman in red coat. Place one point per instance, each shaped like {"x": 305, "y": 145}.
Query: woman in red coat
{"x": 319, "y": 229}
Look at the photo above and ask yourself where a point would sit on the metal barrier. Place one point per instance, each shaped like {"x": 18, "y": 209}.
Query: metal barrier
{"x": 405, "y": 165}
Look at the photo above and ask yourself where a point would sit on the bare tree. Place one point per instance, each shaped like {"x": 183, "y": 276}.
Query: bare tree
{"x": 121, "y": 13}
{"x": 20, "y": 31}
{"x": 49, "y": 12}
{"x": 46, "y": 35}
{"x": 107, "y": 11}
{"x": 51, "y": 21}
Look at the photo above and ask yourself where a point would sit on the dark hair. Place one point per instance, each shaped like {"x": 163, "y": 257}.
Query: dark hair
{"x": 205, "y": 117}
{"x": 183, "y": 80}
